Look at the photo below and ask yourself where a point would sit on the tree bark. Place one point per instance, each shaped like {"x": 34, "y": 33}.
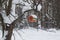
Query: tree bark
{"x": 10, "y": 31}
{"x": 3, "y": 26}
{"x": 1, "y": 18}
{"x": 8, "y": 9}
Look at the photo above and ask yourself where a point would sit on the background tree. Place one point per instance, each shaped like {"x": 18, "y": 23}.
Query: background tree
{"x": 57, "y": 12}
{"x": 8, "y": 11}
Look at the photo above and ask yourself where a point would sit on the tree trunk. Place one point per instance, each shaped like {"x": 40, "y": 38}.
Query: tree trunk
{"x": 10, "y": 31}
{"x": 3, "y": 26}
{"x": 1, "y": 18}
{"x": 8, "y": 9}
{"x": 43, "y": 12}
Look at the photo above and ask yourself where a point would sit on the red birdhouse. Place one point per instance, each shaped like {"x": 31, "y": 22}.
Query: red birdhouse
{"x": 32, "y": 18}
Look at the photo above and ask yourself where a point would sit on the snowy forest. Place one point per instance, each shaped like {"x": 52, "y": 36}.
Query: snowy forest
{"x": 30, "y": 19}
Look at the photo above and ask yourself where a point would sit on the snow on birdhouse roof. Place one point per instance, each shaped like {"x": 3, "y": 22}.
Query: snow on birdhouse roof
{"x": 34, "y": 16}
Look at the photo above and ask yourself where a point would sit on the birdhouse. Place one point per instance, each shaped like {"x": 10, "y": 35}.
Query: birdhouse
{"x": 32, "y": 18}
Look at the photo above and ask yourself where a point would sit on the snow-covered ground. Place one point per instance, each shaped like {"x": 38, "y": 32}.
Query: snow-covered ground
{"x": 34, "y": 34}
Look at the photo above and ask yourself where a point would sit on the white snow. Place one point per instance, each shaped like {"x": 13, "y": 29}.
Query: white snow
{"x": 34, "y": 15}
{"x": 39, "y": 7}
{"x": 34, "y": 34}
